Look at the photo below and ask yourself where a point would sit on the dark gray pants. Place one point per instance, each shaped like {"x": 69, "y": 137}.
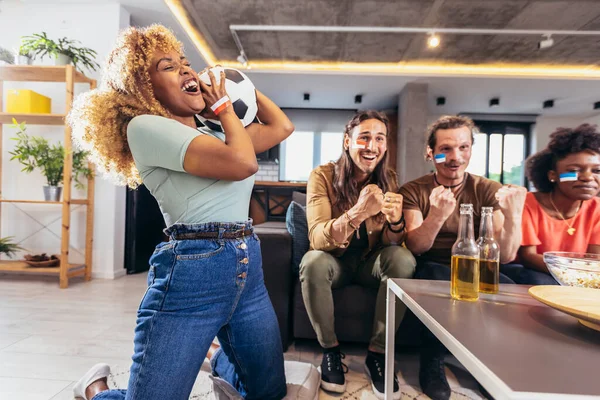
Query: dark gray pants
{"x": 320, "y": 272}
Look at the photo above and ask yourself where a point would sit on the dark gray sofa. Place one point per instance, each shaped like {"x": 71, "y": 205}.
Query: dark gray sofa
{"x": 354, "y": 304}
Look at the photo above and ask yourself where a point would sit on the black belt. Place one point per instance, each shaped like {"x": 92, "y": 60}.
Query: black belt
{"x": 213, "y": 235}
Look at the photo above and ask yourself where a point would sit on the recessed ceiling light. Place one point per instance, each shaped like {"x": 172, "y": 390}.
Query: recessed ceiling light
{"x": 545, "y": 43}
{"x": 433, "y": 41}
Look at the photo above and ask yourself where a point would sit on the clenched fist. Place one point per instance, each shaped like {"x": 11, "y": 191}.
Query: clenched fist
{"x": 511, "y": 200}
{"x": 392, "y": 207}
{"x": 442, "y": 202}
{"x": 370, "y": 200}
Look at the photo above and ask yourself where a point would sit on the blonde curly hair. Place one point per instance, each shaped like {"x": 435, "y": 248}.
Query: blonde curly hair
{"x": 99, "y": 118}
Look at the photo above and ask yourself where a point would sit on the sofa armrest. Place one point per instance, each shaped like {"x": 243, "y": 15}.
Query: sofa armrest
{"x": 276, "y": 249}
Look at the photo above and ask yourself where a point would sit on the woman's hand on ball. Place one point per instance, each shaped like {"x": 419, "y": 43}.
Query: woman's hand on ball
{"x": 213, "y": 93}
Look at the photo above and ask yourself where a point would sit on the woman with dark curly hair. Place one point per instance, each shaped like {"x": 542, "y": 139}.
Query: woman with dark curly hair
{"x": 207, "y": 280}
{"x": 564, "y": 214}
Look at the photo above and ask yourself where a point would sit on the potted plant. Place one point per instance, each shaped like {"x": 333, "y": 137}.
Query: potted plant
{"x": 24, "y": 57}
{"x": 36, "y": 45}
{"x": 36, "y": 152}
{"x": 68, "y": 53}
{"x": 6, "y": 57}
{"x": 9, "y": 248}
{"x": 65, "y": 51}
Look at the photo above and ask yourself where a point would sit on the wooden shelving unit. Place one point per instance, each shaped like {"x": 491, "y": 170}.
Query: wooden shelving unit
{"x": 70, "y": 76}
{"x": 33, "y": 119}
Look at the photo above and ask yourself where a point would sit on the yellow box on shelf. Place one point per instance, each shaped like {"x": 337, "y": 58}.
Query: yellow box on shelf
{"x": 22, "y": 101}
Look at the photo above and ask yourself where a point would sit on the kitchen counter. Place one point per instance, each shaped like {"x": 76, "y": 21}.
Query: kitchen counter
{"x": 270, "y": 199}
{"x": 279, "y": 184}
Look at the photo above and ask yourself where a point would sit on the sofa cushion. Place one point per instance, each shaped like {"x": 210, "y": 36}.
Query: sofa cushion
{"x": 299, "y": 198}
{"x": 276, "y": 250}
{"x": 271, "y": 226}
{"x": 295, "y": 221}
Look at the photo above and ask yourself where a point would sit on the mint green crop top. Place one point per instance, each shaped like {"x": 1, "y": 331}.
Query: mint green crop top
{"x": 158, "y": 146}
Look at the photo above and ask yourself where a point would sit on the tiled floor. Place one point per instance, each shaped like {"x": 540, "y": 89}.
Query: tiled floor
{"x": 49, "y": 337}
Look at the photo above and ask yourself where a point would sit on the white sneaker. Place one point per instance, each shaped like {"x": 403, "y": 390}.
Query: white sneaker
{"x": 95, "y": 373}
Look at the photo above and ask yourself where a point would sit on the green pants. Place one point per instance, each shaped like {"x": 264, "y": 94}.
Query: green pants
{"x": 320, "y": 272}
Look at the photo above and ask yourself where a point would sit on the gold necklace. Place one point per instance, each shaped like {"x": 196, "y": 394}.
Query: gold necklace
{"x": 571, "y": 230}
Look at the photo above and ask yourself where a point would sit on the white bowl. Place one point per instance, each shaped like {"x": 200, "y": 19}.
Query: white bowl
{"x": 574, "y": 269}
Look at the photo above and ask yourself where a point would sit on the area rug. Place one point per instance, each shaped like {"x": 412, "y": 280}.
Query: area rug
{"x": 358, "y": 387}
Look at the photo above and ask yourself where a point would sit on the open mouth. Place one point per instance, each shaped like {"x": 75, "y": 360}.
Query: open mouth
{"x": 368, "y": 157}
{"x": 190, "y": 86}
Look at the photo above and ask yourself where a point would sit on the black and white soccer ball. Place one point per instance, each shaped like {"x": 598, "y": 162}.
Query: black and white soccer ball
{"x": 242, "y": 93}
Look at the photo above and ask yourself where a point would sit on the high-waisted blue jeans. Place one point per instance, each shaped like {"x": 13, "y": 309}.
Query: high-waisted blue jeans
{"x": 199, "y": 289}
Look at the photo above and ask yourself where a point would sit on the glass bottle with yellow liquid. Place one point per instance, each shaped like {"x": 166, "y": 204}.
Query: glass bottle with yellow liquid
{"x": 464, "y": 284}
{"x": 489, "y": 253}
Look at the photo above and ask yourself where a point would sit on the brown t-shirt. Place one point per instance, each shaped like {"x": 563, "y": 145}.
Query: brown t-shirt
{"x": 476, "y": 190}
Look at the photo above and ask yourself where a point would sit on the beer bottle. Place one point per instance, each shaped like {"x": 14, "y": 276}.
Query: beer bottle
{"x": 464, "y": 283}
{"x": 489, "y": 253}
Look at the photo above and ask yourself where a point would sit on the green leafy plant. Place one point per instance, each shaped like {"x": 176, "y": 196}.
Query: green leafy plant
{"x": 8, "y": 247}
{"x": 24, "y": 52}
{"x": 79, "y": 55}
{"x": 39, "y": 44}
{"x": 6, "y": 56}
{"x": 35, "y": 152}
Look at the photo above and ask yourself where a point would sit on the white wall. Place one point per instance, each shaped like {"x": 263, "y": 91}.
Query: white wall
{"x": 544, "y": 126}
{"x": 96, "y": 26}
{"x": 594, "y": 120}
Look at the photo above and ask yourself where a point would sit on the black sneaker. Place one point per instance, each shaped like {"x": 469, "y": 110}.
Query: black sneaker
{"x": 432, "y": 376}
{"x": 332, "y": 371}
{"x": 375, "y": 369}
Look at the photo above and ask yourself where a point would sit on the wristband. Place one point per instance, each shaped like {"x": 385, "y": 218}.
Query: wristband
{"x": 221, "y": 105}
{"x": 350, "y": 221}
{"x": 396, "y": 230}
{"x": 401, "y": 220}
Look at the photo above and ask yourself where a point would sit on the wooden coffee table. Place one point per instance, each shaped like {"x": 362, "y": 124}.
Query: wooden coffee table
{"x": 515, "y": 346}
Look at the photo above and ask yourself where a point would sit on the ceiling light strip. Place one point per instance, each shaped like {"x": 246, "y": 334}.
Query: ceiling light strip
{"x": 185, "y": 21}
{"x": 417, "y": 69}
{"x": 400, "y": 29}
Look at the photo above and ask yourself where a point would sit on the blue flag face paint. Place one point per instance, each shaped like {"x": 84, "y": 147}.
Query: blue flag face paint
{"x": 439, "y": 158}
{"x": 568, "y": 177}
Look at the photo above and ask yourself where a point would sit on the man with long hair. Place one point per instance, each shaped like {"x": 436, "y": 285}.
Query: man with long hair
{"x": 432, "y": 222}
{"x": 355, "y": 222}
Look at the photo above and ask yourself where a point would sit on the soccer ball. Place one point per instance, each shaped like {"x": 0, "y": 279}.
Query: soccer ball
{"x": 242, "y": 93}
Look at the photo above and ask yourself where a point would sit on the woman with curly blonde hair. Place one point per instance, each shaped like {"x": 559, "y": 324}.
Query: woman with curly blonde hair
{"x": 207, "y": 280}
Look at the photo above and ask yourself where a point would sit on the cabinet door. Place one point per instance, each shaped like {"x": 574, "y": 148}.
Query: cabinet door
{"x": 144, "y": 226}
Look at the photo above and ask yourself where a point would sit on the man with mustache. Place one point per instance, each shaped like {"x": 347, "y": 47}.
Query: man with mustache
{"x": 432, "y": 222}
{"x": 354, "y": 219}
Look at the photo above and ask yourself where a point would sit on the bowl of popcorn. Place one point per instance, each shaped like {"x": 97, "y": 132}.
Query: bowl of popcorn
{"x": 574, "y": 269}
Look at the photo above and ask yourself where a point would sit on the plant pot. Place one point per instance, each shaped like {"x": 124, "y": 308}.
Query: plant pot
{"x": 23, "y": 60}
{"x": 52, "y": 193}
{"x": 63, "y": 59}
